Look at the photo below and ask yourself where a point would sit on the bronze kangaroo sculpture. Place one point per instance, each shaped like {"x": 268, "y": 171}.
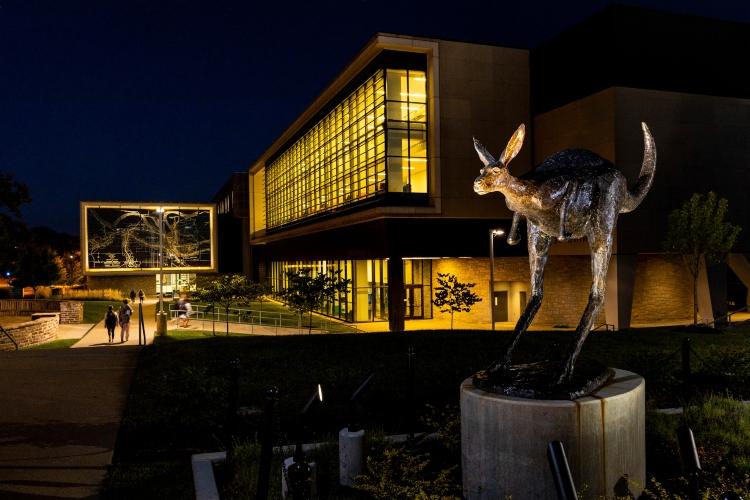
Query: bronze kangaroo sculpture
{"x": 573, "y": 194}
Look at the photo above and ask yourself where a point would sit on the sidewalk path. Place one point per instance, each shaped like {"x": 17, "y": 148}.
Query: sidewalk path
{"x": 97, "y": 336}
{"x": 59, "y": 414}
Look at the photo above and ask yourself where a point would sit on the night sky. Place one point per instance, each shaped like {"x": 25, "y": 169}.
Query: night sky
{"x": 161, "y": 100}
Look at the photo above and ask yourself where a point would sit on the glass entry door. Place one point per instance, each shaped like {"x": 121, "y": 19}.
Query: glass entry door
{"x": 414, "y": 302}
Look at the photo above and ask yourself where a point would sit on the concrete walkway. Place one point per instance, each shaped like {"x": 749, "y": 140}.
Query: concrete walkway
{"x": 59, "y": 414}
{"x": 60, "y": 411}
{"x": 97, "y": 336}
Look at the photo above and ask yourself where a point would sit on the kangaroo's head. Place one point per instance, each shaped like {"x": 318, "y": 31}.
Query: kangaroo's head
{"x": 495, "y": 176}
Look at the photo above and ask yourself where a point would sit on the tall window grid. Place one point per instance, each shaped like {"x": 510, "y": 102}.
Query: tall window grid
{"x": 342, "y": 159}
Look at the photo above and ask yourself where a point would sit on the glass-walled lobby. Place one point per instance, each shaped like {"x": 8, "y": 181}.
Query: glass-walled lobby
{"x": 366, "y": 298}
{"x": 373, "y": 142}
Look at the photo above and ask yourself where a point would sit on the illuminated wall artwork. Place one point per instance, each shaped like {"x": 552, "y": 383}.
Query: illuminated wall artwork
{"x": 125, "y": 238}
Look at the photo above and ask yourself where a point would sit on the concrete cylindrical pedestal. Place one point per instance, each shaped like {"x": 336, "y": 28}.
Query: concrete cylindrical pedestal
{"x": 504, "y": 441}
{"x": 351, "y": 453}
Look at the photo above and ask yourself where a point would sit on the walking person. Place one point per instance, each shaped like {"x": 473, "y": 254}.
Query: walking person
{"x": 124, "y": 315}
{"x": 110, "y": 321}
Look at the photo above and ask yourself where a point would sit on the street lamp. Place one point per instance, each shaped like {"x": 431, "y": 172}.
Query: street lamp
{"x": 493, "y": 233}
{"x": 161, "y": 318}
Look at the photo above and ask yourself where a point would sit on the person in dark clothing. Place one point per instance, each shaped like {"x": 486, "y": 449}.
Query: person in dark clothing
{"x": 110, "y": 321}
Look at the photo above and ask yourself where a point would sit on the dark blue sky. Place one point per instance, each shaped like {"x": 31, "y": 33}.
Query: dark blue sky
{"x": 161, "y": 100}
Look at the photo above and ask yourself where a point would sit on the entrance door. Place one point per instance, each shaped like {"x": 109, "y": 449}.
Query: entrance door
{"x": 500, "y": 306}
{"x": 413, "y": 302}
{"x": 522, "y": 300}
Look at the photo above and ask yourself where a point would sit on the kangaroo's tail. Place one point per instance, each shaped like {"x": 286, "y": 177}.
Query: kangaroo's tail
{"x": 635, "y": 196}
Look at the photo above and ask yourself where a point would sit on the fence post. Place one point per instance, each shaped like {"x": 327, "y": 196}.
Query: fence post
{"x": 686, "y": 372}
{"x": 558, "y": 462}
{"x": 266, "y": 443}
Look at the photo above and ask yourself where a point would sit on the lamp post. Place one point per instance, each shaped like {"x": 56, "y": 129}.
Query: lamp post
{"x": 493, "y": 233}
{"x": 161, "y": 318}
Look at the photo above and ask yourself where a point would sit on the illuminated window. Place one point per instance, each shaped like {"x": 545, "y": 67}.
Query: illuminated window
{"x": 373, "y": 142}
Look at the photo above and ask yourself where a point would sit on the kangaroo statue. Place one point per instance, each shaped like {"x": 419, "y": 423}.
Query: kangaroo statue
{"x": 573, "y": 194}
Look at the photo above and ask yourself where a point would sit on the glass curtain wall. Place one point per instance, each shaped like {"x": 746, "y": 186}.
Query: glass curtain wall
{"x": 342, "y": 159}
{"x": 366, "y": 298}
{"x": 340, "y": 307}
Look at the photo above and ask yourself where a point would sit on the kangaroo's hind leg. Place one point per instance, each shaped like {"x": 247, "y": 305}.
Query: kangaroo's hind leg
{"x": 539, "y": 245}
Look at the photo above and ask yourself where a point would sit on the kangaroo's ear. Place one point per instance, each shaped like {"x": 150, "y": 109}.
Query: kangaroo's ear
{"x": 484, "y": 155}
{"x": 514, "y": 145}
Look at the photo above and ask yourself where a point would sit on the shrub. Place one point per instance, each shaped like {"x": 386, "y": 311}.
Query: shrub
{"x": 100, "y": 294}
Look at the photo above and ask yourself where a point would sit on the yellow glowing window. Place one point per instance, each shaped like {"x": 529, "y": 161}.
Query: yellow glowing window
{"x": 373, "y": 141}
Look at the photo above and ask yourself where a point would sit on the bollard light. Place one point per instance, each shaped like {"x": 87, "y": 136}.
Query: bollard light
{"x": 691, "y": 463}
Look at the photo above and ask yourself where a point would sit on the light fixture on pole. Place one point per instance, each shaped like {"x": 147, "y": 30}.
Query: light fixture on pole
{"x": 493, "y": 233}
{"x": 161, "y": 319}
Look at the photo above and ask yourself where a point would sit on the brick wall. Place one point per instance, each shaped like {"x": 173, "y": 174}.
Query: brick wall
{"x": 567, "y": 281}
{"x": 71, "y": 312}
{"x": 663, "y": 290}
{"x": 31, "y": 333}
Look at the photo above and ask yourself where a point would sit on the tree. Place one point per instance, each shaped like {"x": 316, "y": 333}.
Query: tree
{"x": 307, "y": 293}
{"x": 36, "y": 267}
{"x": 13, "y": 195}
{"x": 454, "y": 296}
{"x": 226, "y": 291}
{"x": 698, "y": 233}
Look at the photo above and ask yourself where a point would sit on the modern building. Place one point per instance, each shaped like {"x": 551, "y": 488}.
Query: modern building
{"x": 374, "y": 179}
{"x": 132, "y": 246}
{"x": 232, "y": 221}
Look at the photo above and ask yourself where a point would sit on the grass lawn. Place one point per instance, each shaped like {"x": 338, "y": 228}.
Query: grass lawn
{"x": 94, "y": 310}
{"x": 55, "y": 344}
{"x": 178, "y": 399}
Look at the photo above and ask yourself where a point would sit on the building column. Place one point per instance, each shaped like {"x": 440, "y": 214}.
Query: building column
{"x": 705, "y": 310}
{"x": 741, "y": 267}
{"x": 618, "y": 304}
{"x": 717, "y": 288}
{"x": 396, "y": 293}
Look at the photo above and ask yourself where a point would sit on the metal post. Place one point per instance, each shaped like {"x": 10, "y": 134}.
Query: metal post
{"x": 492, "y": 278}
{"x": 410, "y": 387}
{"x": 558, "y": 462}
{"x": 493, "y": 233}
{"x": 161, "y": 320}
{"x": 266, "y": 443}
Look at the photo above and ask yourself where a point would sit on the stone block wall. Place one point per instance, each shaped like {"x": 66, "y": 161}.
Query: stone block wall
{"x": 31, "y": 333}
{"x": 663, "y": 290}
{"x": 567, "y": 281}
{"x": 71, "y": 312}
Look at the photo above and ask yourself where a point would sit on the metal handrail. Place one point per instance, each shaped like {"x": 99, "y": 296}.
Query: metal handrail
{"x": 605, "y": 325}
{"x": 8, "y": 335}
{"x": 239, "y": 315}
{"x": 727, "y": 316}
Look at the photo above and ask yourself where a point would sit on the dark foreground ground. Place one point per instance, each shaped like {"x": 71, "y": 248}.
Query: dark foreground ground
{"x": 179, "y": 397}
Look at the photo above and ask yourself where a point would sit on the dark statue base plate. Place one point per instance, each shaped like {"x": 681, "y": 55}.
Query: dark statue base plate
{"x": 539, "y": 380}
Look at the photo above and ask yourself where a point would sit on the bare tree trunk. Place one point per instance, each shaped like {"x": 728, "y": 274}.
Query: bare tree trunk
{"x": 226, "y": 314}
{"x": 309, "y": 326}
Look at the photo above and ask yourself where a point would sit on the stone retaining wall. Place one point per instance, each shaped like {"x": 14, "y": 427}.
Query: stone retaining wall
{"x": 71, "y": 312}
{"x": 38, "y": 331}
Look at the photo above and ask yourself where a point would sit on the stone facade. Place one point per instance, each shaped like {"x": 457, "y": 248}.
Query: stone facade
{"x": 71, "y": 312}
{"x": 38, "y": 331}
{"x": 663, "y": 290}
